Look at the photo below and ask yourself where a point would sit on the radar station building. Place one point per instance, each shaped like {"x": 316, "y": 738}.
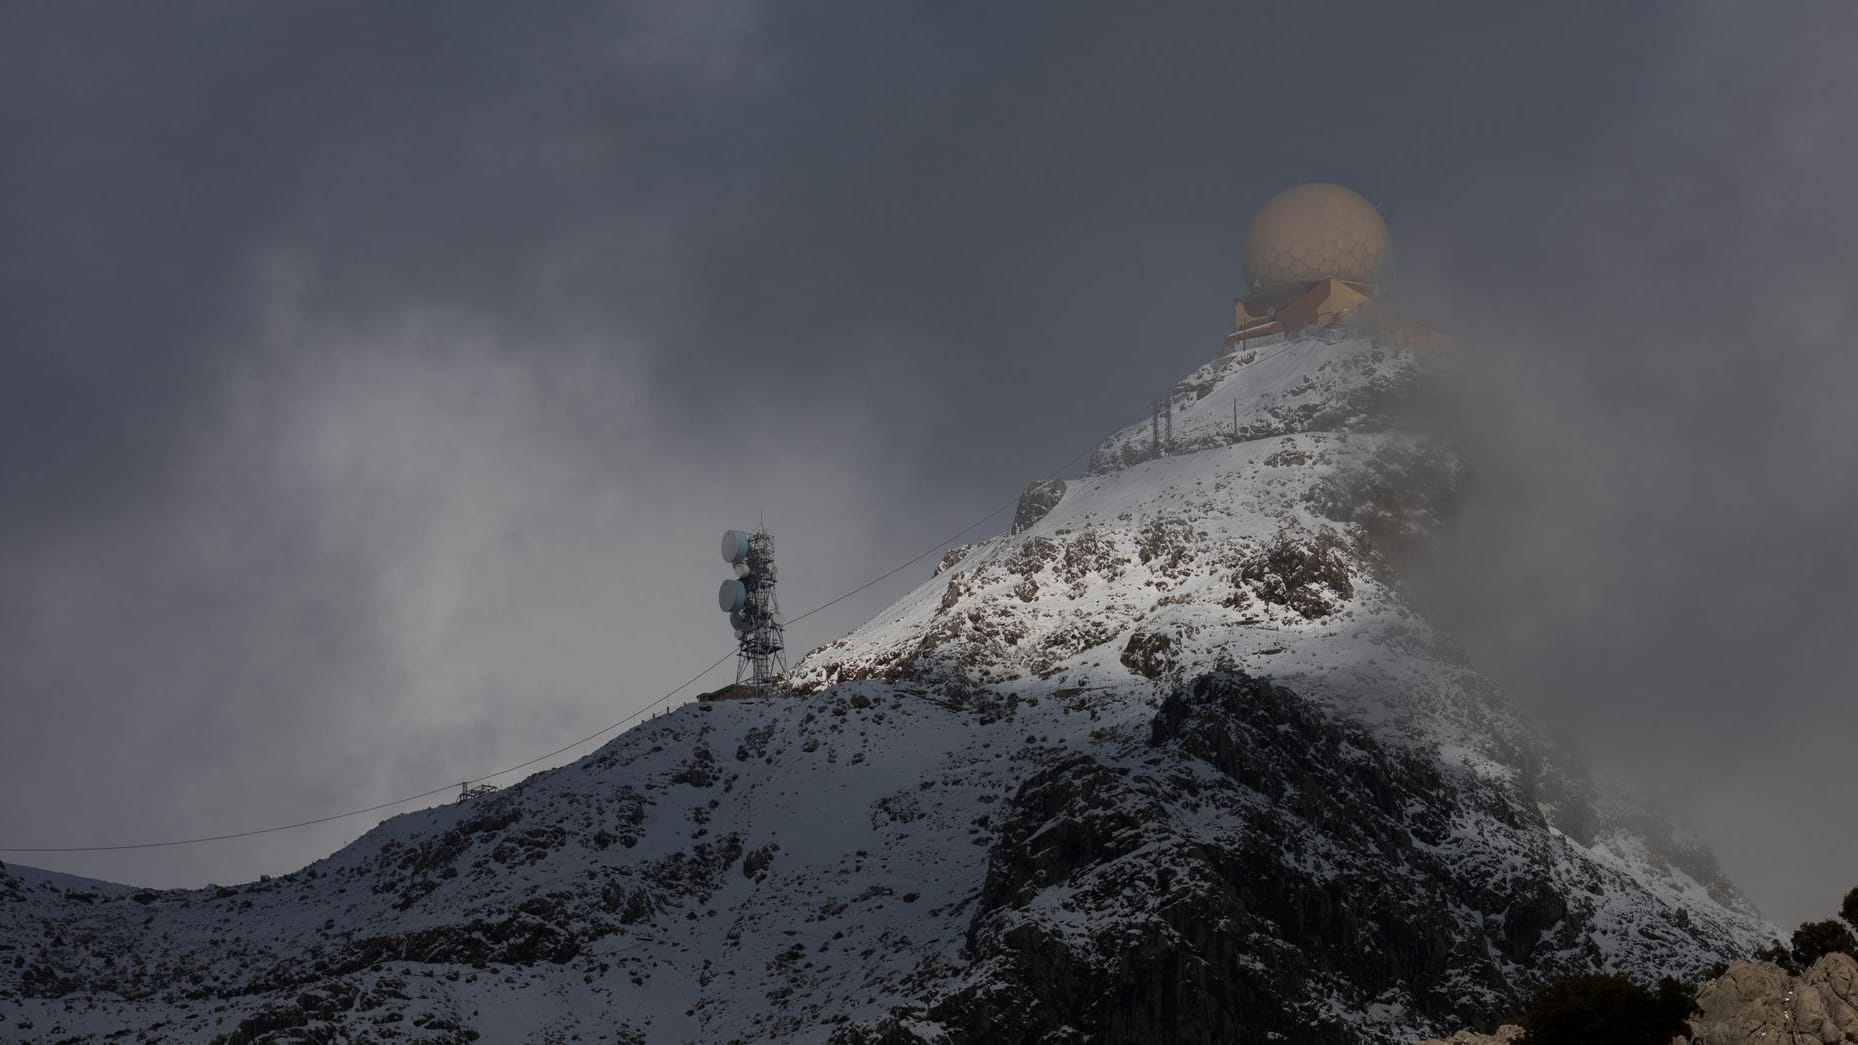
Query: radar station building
{"x": 1316, "y": 255}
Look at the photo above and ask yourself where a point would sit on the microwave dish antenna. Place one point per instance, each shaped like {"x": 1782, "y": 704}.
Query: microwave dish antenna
{"x": 735, "y": 546}
{"x": 732, "y": 597}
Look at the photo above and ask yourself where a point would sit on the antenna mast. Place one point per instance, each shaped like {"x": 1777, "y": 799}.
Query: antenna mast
{"x": 754, "y": 611}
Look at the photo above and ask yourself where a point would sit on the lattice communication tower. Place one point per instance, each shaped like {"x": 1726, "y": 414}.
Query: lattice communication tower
{"x": 754, "y": 612}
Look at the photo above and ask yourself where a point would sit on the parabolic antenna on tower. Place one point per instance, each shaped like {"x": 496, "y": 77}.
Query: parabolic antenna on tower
{"x": 1313, "y": 231}
{"x": 735, "y": 546}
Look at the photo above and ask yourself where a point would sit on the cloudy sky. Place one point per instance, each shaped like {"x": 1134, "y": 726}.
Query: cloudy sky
{"x": 375, "y": 379}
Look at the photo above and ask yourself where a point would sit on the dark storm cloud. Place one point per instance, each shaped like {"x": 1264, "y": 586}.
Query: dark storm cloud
{"x": 370, "y": 377}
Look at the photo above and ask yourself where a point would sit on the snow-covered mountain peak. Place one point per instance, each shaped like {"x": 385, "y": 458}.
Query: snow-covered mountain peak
{"x": 1172, "y": 761}
{"x": 1325, "y": 382}
{"x": 1264, "y": 536}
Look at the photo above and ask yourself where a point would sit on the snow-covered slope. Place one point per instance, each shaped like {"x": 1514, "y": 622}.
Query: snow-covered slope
{"x": 1173, "y": 762}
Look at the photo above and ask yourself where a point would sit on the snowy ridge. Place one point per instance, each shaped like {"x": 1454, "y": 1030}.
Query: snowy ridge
{"x": 1325, "y": 381}
{"x": 1176, "y": 761}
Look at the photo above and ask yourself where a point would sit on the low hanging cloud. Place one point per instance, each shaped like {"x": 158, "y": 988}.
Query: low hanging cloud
{"x": 1656, "y": 561}
{"x": 395, "y": 552}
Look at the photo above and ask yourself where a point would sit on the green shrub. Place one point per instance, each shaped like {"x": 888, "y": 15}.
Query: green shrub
{"x": 1849, "y": 909}
{"x": 1815, "y": 940}
{"x": 1777, "y": 953}
{"x": 1600, "y": 1009}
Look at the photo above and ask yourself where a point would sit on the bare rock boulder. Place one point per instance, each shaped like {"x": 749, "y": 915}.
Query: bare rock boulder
{"x": 1752, "y": 1002}
{"x": 1503, "y": 1035}
{"x": 1756, "y": 1001}
{"x": 1826, "y": 1002}
{"x": 1038, "y": 499}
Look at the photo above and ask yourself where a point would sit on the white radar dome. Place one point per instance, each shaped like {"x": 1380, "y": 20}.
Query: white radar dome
{"x": 1313, "y": 231}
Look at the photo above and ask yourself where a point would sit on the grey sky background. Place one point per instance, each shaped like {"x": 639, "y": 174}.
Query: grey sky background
{"x": 373, "y": 380}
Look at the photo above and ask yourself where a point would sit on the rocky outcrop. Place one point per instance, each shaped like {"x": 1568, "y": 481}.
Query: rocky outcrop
{"x": 1395, "y": 499}
{"x": 1752, "y": 1002}
{"x": 1314, "y": 385}
{"x": 1310, "y": 575}
{"x": 1757, "y": 1001}
{"x": 1260, "y": 868}
{"x": 347, "y": 1011}
{"x": 952, "y": 558}
{"x": 1503, "y": 1035}
{"x": 1038, "y": 499}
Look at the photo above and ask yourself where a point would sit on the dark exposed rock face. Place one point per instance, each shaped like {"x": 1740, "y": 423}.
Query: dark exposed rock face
{"x": 1148, "y": 654}
{"x": 1036, "y": 502}
{"x": 952, "y": 558}
{"x": 1261, "y": 867}
{"x": 1396, "y": 498}
{"x": 1307, "y": 574}
{"x": 342, "y": 1011}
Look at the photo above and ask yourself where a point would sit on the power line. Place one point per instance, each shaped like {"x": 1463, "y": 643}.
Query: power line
{"x": 569, "y": 747}
{"x": 951, "y": 539}
{"x": 373, "y": 808}
{"x": 686, "y": 684}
